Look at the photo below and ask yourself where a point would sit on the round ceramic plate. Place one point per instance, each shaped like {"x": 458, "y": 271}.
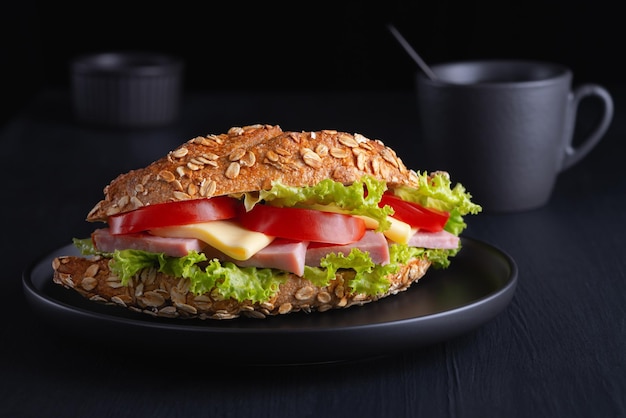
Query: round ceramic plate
{"x": 478, "y": 285}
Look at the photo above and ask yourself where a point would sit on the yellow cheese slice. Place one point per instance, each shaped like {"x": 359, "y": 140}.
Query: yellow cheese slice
{"x": 400, "y": 232}
{"x": 227, "y": 236}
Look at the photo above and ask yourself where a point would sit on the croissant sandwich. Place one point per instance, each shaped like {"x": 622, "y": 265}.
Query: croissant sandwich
{"x": 259, "y": 222}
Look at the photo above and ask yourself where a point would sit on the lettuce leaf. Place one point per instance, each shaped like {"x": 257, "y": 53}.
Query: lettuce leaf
{"x": 85, "y": 246}
{"x": 435, "y": 191}
{"x": 369, "y": 278}
{"x": 240, "y": 283}
{"x": 359, "y": 198}
{"x": 249, "y": 283}
{"x": 402, "y": 253}
{"x": 231, "y": 281}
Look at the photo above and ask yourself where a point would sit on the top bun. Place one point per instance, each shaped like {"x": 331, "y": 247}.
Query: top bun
{"x": 249, "y": 159}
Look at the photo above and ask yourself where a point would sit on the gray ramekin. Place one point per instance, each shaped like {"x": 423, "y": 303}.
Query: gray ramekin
{"x": 127, "y": 89}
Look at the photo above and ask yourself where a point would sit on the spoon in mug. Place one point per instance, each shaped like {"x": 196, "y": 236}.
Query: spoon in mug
{"x": 409, "y": 49}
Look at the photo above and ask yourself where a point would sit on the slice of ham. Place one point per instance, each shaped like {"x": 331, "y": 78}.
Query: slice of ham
{"x": 175, "y": 247}
{"x": 438, "y": 240}
{"x": 282, "y": 254}
{"x": 373, "y": 242}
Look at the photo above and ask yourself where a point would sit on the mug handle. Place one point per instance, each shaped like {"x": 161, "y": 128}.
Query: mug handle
{"x": 575, "y": 154}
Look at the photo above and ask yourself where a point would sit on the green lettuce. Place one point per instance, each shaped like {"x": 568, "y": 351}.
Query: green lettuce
{"x": 435, "y": 191}
{"x": 369, "y": 278}
{"x": 85, "y": 246}
{"x": 359, "y": 198}
{"x": 231, "y": 281}
{"x": 240, "y": 283}
{"x": 402, "y": 253}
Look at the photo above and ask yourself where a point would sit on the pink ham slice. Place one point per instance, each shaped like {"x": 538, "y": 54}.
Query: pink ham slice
{"x": 373, "y": 242}
{"x": 175, "y": 247}
{"x": 438, "y": 240}
{"x": 280, "y": 254}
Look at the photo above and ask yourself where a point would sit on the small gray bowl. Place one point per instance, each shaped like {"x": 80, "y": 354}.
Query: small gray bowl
{"x": 126, "y": 89}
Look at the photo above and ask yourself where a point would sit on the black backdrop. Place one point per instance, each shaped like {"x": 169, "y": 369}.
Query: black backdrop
{"x": 340, "y": 44}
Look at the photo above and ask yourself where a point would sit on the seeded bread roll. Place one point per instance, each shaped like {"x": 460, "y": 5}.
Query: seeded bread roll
{"x": 160, "y": 295}
{"x": 248, "y": 159}
{"x": 242, "y": 160}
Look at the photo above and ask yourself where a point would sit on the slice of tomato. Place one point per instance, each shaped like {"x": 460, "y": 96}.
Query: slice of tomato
{"x": 415, "y": 214}
{"x": 174, "y": 213}
{"x": 303, "y": 224}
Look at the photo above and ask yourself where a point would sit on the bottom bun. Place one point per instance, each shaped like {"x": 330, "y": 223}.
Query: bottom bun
{"x": 160, "y": 295}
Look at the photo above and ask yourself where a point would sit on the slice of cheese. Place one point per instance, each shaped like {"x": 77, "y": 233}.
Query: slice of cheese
{"x": 227, "y": 236}
{"x": 400, "y": 232}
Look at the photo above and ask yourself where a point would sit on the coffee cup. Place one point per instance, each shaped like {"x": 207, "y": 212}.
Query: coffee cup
{"x": 505, "y": 128}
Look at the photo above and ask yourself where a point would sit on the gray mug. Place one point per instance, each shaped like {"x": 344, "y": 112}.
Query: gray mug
{"x": 505, "y": 128}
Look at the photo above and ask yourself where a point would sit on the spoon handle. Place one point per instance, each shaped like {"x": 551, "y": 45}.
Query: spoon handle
{"x": 409, "y": 49}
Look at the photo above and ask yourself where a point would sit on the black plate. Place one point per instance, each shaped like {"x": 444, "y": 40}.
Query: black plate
{"x": 478, "y": 285}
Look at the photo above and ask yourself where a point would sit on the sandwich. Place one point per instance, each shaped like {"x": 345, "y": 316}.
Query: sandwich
{"x": 259, "y": 222}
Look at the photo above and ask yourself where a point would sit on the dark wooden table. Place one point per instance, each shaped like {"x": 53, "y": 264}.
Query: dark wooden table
{"x": 557, "y": 350}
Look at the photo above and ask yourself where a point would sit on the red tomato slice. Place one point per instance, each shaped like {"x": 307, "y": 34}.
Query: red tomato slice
{"x": 303, "y": 224}
{"x": 415, "y": 214}
{"x": 173, "y": 213}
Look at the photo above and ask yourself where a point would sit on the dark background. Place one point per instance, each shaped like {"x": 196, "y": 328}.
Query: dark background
{"x": 341, "y": 44}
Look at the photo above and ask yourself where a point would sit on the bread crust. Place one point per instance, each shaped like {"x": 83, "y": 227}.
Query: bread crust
{"x": 248, "y": 159}
{"x": 160, "y": 295}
